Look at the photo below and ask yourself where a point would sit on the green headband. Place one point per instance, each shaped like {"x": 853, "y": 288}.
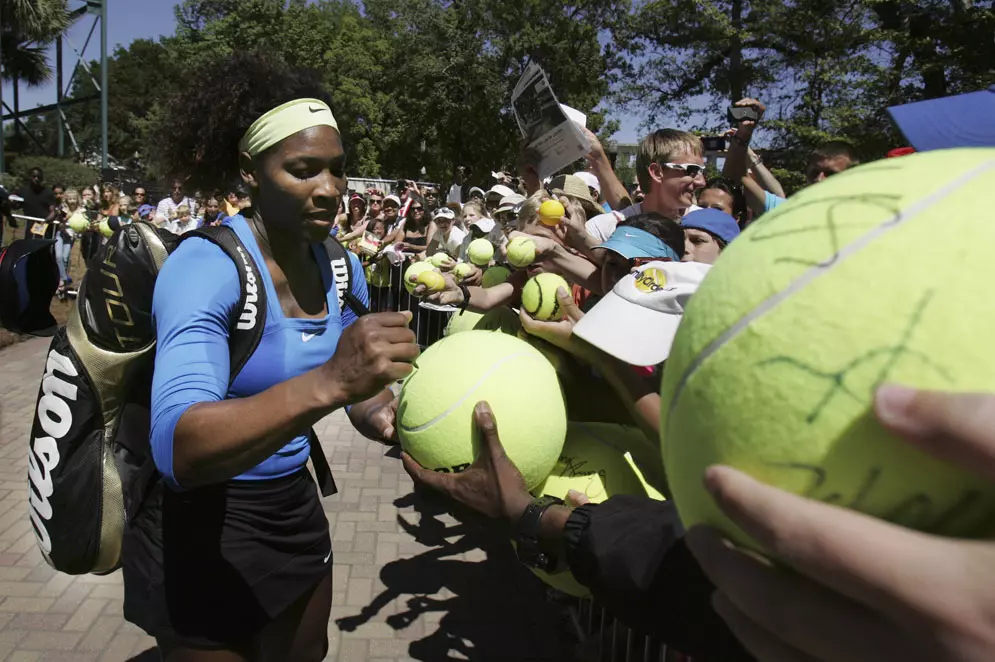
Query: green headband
{"x": 283, "y": 121}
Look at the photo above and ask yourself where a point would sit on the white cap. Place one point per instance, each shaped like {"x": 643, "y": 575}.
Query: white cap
{"x": 499, "y": 190}
{"x": 393, "y": 198}
{"x": 443, "y": 212}
{"x": 485, "y": 223}
{"x": 590, "y": 179}
{"x": 511, "y": 203}
{"x": 636, "y": 322}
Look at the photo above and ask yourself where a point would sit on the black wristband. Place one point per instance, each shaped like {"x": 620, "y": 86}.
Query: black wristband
{"x": 466, "y": 297}
{"x": 527, "y": 535}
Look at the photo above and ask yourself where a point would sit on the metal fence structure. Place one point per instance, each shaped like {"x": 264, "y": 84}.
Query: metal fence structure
{"x": 603, "y": 639}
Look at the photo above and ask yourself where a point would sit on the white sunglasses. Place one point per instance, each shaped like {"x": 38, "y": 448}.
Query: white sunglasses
{"x": 691, "y": 169}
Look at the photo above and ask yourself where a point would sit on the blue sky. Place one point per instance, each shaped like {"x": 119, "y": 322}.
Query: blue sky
{"x": 135, "y": 19}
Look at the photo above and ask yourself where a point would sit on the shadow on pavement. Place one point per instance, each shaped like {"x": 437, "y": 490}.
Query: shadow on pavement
{"x": 497, "y": 611}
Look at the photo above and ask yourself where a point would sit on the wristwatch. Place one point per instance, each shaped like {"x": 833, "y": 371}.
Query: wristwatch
{"x": 527, "y": 535}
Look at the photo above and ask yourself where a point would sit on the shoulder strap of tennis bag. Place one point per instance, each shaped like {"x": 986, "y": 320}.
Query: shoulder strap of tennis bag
{"x": 245, "y": 331}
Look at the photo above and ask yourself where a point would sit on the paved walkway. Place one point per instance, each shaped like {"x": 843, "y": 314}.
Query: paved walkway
{"x": 411, "y": 583}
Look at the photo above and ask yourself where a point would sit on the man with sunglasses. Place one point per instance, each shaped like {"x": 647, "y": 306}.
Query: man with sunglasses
{"x": 167, "y": 206}
{"x": 670, "y": 167}
{"x": 826, "y": 160}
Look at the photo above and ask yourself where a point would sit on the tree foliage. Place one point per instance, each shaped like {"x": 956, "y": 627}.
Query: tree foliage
{"x": 424, "y": 85}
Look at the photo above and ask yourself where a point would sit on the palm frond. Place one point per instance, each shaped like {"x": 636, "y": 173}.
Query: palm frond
{"x": 25, "y": 63}
{"x": 34, "y": 20}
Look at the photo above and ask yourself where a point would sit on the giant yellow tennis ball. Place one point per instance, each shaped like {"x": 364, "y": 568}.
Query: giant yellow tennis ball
{"x": 495, "y": 276}
{"x": 781, "y": 348}
{"x": 521, "y": 252}
{"x": 501, "y": 319}
{"x": 480, "y": 251}
{"x": 78, "y": 223}
{"x": 539, "y": 296}
{"x": 435, "y": 409}
{"x": 432, "y": 280}
{"x": 105, "y": 228}
{"x": 593, "y": 463}
{"x": 551, "y": 212}
{"x": 413, "y": 272}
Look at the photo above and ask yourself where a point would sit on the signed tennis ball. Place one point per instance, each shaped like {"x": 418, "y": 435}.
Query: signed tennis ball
{"x": 593, "y": 463}
{"x": 521, "y": 252}
{"x": 462, "y": 270}
{"x": 435, "y": 407}
{"x": 780, "y": 350}
{"x": 495, "y": 276}
{"x": 414, "y": 271}
{"x": 539, "y": 296}
{"x": 480, "y": 251}
{"x": 551, "y": 212}
{"x": 432, "y": 280}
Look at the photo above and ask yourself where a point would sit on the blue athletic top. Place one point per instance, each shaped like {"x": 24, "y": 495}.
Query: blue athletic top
{"x": 195, "y": 295}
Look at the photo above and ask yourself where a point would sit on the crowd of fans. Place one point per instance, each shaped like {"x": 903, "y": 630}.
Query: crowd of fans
{"x": 691, "y": 590}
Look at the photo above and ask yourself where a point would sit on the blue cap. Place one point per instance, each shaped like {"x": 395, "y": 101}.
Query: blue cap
{"x": 714, "y": 221}
{"x": 632, "y": 243}
{"x": 964, "y": 120}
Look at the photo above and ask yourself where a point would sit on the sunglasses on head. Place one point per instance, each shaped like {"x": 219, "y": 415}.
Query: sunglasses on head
{"x": 689, "y": 169}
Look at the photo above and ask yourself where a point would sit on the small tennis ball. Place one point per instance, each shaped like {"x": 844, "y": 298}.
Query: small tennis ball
{"x": 78, "y": 223}
{"x": 462, "y": 270}
{"x": 440, "y": 259}
{"x": 435, "y": 407}
{"x": 593, "y": 463}
{"x": 780, "y": 350}
{"x": 539, "y": 296}
{"x": 413, "y": 271}
{"x": 495, "y": 276}
{"x": 105, "y": 228}
{"x": 432, "y": 280}
{"x": 501, "y": 319}
{"x": 551, "y": 212}
{"x": 480, "y": 251}
{"x": 521, "y": 252}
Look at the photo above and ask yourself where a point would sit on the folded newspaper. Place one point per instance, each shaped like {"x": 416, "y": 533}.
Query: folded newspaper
{"x": 554, "y": 131}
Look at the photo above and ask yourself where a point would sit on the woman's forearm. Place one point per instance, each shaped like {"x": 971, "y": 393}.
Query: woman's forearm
{"x": 576, "y": 269}
{"x": 216, "y": 441}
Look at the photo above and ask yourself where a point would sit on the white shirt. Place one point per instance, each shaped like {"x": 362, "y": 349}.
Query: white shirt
{"x": 164, "y": 210}
{"x": 603, "y": 225}
{"x": 450, "y": 246}
{"x": 176, "y": 227}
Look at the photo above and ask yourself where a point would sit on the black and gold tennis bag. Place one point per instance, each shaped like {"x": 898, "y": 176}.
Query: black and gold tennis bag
{"x": 90, "y": 467}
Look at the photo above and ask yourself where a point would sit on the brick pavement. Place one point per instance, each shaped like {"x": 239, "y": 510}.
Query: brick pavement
{"x": 411, "y": 583}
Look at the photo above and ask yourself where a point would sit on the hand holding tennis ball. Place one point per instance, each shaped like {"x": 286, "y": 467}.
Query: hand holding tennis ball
{"x": 440, "y": 260}
{"x": 480, "y": 251}
{"x": 432, "y": 280}
{"x": 462, "y": 270}
{"x": 78, "y": 223}
{"x": 551, "y": 212}
{"x": 539, "y": 296}
{"x": 411, "y": 275}
{"x": 521, "y": 251}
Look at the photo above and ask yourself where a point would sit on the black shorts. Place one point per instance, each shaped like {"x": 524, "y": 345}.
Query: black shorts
{"x": 213, "y": 566}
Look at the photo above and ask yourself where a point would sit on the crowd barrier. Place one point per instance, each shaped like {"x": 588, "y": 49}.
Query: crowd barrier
{"x": 604, "y": 639}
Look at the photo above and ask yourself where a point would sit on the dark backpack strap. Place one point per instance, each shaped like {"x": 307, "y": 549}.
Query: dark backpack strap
{"x": 342, "y": 271}
{"x": 246, "y": 330}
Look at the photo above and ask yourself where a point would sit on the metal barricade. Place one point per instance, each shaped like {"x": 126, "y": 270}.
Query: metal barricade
{"x": 387, "y": 293}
